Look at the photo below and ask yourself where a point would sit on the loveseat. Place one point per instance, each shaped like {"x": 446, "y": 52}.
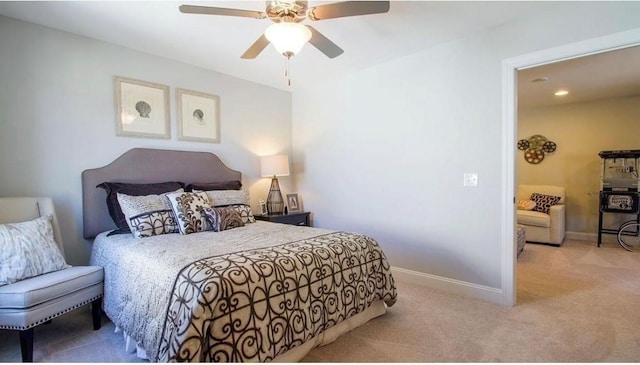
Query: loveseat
{"x": 542, "y": 227}
{"x": 33, "y": 300}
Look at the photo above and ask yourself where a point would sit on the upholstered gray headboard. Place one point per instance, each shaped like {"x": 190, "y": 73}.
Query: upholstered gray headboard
{"x": 143, "y": 165}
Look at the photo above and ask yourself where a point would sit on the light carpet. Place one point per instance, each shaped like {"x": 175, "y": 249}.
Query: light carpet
{"x": 576, "y": 303}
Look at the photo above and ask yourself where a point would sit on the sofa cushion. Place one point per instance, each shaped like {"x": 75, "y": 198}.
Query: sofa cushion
{"x": 31, "y": 292}
{"x": 533, "y": 218}
{"x": 524, "y": 191}
{"x": 526, "y": 204}
{"x": 544, "y": 202}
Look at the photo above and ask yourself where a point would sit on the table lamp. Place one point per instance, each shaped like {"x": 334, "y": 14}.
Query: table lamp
{"x": 274, "y": 166}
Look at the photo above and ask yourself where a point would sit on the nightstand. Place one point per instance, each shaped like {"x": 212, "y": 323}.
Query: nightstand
{"x": 296, "y": 219}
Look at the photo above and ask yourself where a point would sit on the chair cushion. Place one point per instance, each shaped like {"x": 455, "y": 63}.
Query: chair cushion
{"x": 33, "y": 291}
{"x": 533, "y": 218}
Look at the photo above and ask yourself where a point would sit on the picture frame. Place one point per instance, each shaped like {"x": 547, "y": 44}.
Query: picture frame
{"x": 142, "y": 108}
{"x": 263, "y": 208}
{"x": 198, "y": 116}
{"x": 293, "y": 203}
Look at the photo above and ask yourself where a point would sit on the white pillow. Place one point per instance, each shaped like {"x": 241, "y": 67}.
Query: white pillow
{"x": 28, "y": 249}
{"x": 148, "y": 215}
{"x": 219, "y": 198}
{"x": 240, "y": 200}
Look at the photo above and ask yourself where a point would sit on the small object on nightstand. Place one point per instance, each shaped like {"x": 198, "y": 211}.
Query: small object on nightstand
{"x": 296, "y": 219}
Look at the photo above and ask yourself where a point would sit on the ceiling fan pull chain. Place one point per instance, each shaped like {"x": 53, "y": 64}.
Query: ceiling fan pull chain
{"x": 287, "y": 71}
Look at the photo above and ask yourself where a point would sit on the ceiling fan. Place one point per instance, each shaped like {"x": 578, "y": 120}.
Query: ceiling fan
{"x": 287, "y": 34}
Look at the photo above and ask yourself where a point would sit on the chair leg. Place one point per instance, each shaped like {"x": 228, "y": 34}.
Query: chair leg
{"x": 26, "y": 345}
{"x": 96, "y": 312}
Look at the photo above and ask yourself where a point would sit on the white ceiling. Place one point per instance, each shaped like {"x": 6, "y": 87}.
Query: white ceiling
{"x": 601, "y": 76}
{"x": 216, "y": 42}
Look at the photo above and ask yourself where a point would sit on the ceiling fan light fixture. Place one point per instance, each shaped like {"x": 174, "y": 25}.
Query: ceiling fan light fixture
{"x": 288, "y": 38}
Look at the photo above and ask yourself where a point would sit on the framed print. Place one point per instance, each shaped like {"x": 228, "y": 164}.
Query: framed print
{"x": 198, "y": 116}
{"x": 263, "y": 208}
{"x": 293, "y": 203}
{"x": 142, "y": 108}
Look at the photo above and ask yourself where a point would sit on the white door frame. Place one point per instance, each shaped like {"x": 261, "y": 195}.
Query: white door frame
{"x": 510, "y": 67}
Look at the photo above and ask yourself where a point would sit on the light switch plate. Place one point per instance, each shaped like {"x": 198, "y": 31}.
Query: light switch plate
{"x": 470, "y": 179}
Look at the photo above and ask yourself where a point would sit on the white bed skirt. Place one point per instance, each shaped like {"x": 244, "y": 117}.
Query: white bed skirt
{"x": 296, "y": 354}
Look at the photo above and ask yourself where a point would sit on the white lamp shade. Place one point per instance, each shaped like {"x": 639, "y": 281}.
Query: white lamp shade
{"x": 276, "y": 165}
{"x": 288, "y": 37}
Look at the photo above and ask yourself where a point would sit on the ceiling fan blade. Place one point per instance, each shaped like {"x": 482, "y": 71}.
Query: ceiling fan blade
{"x": 348, "y": 8}
{"x": 196, "y": 9}
{"x": 256, "y": 48}
{"x": 324, "y": 44}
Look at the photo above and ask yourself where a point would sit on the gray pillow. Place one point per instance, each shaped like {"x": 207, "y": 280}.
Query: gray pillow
{"x": 224, "y": 185}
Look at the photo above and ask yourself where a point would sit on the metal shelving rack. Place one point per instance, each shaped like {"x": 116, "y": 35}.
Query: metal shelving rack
{"x": 619, "y": 186}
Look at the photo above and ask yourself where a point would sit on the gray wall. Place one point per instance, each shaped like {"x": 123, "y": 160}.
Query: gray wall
{"x": 57, "y": 117}
{"x": 383, "y": 151}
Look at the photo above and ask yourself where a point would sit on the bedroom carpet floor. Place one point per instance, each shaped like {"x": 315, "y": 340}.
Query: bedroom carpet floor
{"x": 576, "y": 303}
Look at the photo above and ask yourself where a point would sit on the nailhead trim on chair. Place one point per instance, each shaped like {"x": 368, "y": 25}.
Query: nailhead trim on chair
{"x": 21, "y": 328}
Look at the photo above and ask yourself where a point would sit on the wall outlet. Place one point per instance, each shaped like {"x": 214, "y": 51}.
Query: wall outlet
{"x": 470, "y": 179}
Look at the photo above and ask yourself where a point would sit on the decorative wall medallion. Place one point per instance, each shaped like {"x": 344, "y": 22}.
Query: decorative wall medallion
{"x": 535, "y": 148}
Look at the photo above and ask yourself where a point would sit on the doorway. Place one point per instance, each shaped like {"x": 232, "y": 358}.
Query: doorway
{"x": 510, "y": 68}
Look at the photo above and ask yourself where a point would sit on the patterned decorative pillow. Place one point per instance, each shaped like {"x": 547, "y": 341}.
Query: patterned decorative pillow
{"x": 544, "y": 202}
{"x": 227, "y": 197}
{"x": 244, "y": 211}
{"x": 113, "y": 205}
{"x": 187, "y": 208}
{"x": 28, "y": 249}
{"x": 526, "y": 204}
{"x": 222, "y": 219}
{"x": 148, "y": 215}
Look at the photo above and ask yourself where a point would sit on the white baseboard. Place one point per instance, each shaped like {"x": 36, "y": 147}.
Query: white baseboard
{"x": 592, "y": 237}
{"x": 453, "y": 286}
{"x": 485, "y": 293}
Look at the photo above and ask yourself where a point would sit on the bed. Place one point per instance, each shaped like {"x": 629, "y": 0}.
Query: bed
{"x": 257, "y": 292}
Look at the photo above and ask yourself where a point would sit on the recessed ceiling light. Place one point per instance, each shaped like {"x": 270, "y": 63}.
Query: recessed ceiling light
{"x": 561, "y": 93}
{"x": 540, "y": 79}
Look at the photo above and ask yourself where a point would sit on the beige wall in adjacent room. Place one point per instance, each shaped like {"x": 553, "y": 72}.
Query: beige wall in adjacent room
{"x": 580, "y": 130}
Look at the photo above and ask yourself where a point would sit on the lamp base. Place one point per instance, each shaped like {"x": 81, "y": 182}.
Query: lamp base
{"x": 275, "y": 203}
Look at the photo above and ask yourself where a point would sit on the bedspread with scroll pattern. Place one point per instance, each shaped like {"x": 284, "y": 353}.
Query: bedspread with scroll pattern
{"x": 257, "y": 304}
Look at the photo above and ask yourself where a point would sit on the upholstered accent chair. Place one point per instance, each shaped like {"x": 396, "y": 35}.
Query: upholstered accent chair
{"x": 545, "y": 223}
{"x": 27, "y": 303}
